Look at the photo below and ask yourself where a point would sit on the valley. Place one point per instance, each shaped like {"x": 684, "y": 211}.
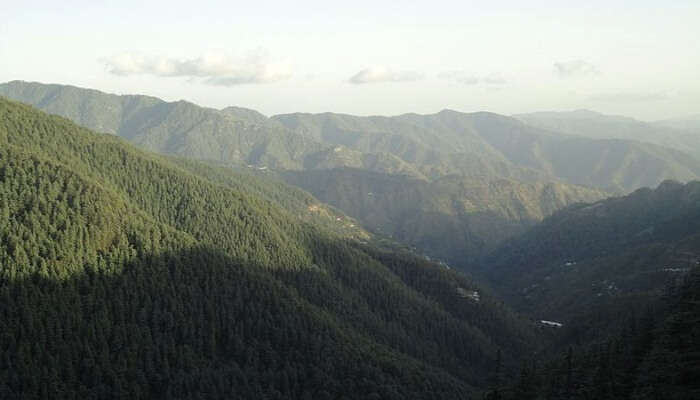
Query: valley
{"x": 450, "y": 255}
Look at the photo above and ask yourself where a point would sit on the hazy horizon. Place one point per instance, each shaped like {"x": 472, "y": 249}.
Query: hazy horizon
{"x": 367, "y": 58}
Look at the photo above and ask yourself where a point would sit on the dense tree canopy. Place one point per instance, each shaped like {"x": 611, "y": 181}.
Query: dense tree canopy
{"x": 125, "y": 274}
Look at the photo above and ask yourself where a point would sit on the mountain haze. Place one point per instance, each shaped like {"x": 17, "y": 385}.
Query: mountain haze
{"x": 232, "y": 135}
{"x": 488, "y": 140}
{"x": 453, "y": 218}
{"x": 681, "y": 134}
{"x": 483, "y": 145}
{"x": 688, "y": 124}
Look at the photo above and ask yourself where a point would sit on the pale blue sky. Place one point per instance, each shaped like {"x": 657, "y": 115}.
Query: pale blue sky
{"x": 368, "y": 57}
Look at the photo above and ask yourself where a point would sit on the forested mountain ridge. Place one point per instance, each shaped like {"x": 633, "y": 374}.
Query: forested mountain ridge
{"x": 479, "y": 145}
{"x": 586, "y": 264}
{"x": 125, "y": 275}
{"x": 181, "y": 128}
{"x": 436, "y": 211}
{"x": 453, "y": 218}
{"x": 233, "y": 135}
{"x": 440, "y": 144}
{"x": 679, "y": 134}
{"x": 615, "y": 283}
{"x": 128, "y": 274}
{"x": 266, "y": 187}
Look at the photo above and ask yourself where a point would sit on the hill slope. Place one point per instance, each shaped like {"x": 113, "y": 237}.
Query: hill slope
{"x": 587, "y": 263}
{"x": 232, "y": 135}
{"x": 412, "y": 149}
{"x": 125, "y": 275}
{"x": 500, "y": 146}
{"x": 480, "y": 145}
{"x": 653, "y": 356}
{"x": 456, "y": 219}
{"x": 181, "y": 128}
{"x": 453, "y": 218}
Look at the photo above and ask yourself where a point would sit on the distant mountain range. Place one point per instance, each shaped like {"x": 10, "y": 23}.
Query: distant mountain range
{"x": 679, "y": 134}
{"x": 483, "y": 145}
{"x": 689, "y": 124}
{"x": 452, "y": 184}
{"x": 451, "y": 142}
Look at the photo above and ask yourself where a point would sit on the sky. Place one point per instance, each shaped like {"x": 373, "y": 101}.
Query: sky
{"x": 635, "y": 58}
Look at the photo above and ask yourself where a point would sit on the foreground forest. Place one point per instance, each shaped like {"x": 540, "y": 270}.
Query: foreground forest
{"x": 127, "y": 274}
{"x": 654, "y": 356}
{"x": 621, "y": 278}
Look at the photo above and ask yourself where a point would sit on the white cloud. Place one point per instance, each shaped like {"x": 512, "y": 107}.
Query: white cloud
{"x": 213, "y": 68}
{"x": 575, "y": 69}
{"x": 466, "y": 78}
{"x": 383, "y": 74}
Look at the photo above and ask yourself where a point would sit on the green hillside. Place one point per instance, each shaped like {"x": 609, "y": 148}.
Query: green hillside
{"x": 263, "y": 185}
{"x": 478, "y": 145}
{"x": 653, "y": 356}
{"x": 453, "y": 218}
{"x": 447, "y": 183}
{"x": 233, "y": 135}
{"x": 130, "y": 274}
{"x": 621, "y": 275}
{"x": 179, "y": 128}
{"x": 497, "y": 146}
{"x": 434, "y": 147}
{"x": 125, "y": 275}
{"x": 587, "y": 265}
